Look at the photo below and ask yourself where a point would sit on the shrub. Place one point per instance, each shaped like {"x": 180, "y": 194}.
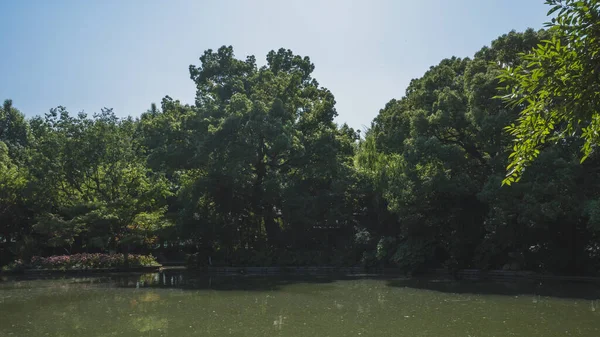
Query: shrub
{"x": 83, "y": 262}
{"x": 14, "y": 266}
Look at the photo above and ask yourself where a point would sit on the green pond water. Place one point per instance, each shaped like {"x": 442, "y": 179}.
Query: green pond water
{"x": 175, "y": 303}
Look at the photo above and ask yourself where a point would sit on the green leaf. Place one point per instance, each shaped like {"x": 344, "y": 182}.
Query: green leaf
{"x": 553, "y": 9}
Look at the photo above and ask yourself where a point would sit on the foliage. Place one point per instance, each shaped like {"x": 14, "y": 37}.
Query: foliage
{"x": 258, "y": 158}
{"x": 557, "y": 88}
{"x": 14, "y": 182}
{"x": 256, "y": 171}
{"x": 93, "y": 172}
{"x": 83, "y": 262}
{"x": 435, "y": 161}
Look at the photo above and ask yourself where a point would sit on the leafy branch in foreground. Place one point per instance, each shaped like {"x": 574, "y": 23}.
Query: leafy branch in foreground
{"x": 557, "y": 86}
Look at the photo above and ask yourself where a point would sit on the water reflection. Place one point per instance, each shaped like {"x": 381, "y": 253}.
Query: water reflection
{"x": 191, "y": 281}
{"x": 176, "y": 303}
{"x": 381, "y": 299}
{"x": 278, "y": 323}
{"x": 150, "y": 323}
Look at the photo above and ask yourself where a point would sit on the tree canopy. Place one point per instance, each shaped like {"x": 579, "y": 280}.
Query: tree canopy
{"x": 257, "y": 172}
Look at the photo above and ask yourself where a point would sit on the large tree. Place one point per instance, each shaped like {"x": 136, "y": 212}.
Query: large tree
{"x": 259, "y": 154}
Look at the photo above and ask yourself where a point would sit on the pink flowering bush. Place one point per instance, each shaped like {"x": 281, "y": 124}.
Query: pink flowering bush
{"x": 85, "y": 261}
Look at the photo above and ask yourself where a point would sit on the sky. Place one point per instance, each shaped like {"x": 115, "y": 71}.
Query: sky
{"x": 126, "y": 54}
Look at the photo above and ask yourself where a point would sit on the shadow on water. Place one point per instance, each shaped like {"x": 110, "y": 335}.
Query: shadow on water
{"x": 177, "y": 279}
{"x": 200, "y": 281}
{"x": 558, "y": 289}
{"x": 189, "y": 280}
{"x": 197, "y": 281}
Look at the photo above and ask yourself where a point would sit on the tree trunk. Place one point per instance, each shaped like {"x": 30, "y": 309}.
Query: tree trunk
{"x": 271, "y": 226}
{"x": 574, "y": 268}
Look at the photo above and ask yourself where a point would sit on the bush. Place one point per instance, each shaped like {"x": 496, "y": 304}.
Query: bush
{"x": 83, "y": 262}
{"x": 15, "y": 266}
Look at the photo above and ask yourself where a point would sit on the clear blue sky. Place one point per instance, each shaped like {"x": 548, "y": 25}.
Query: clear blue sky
{"x": 126, "y": 54}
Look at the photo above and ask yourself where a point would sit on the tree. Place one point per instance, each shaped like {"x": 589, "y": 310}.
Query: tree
{"x": 14, "y": 129}
{"x": 557, "y": 88}
{"x": 256, "y": 171}
{"x": 435, "y": 160}
{"x": 258, "y": 155}
{"x": 99, "y": 190}
{"x": 15, "y": 211}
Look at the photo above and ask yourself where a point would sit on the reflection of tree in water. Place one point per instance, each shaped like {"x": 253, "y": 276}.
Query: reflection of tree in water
{"x": 140, "y": 310}
{"x": 150, "y": 323}
{"x": 149, "y": 278}
{"x": 279, "y": 322}
{"x": 262, "y": 304}
{"x": 381, "y": 299}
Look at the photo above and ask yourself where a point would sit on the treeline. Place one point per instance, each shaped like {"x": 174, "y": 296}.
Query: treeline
{"x": 256, "y": 172}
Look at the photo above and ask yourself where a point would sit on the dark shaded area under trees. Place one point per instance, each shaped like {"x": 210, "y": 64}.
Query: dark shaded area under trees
{"x": 256, "y": 172}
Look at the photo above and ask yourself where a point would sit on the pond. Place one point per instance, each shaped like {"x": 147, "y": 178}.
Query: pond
{"x": 175, "y": 303}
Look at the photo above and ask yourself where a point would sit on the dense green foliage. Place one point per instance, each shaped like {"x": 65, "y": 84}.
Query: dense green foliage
{"x": 257, "y": 172}
{"x": 557, "y": 87}
{"x": 437, "y": 157}
{"x": 83, "y": 262}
